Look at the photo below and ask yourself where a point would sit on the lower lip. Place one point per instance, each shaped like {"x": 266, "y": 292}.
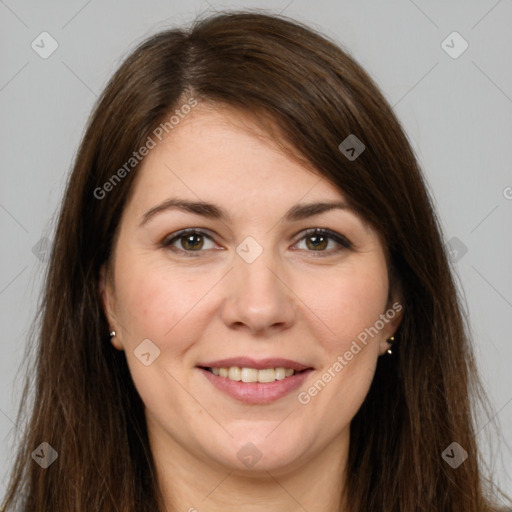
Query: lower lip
{"x": 257, "y": 392}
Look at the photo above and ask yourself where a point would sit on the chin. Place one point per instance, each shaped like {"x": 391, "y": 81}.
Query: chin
{"x": 261, "y": 452}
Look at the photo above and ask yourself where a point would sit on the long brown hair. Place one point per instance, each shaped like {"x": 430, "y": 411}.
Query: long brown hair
{"x": 86, "y": 406}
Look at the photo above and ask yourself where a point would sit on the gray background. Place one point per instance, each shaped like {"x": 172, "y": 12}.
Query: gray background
{"x": 456, "y": 111}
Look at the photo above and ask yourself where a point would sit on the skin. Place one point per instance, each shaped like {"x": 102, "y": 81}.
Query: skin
{"x": 294, "y": 301}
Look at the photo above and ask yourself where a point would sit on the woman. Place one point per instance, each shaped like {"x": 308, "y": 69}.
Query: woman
{"x": 248, "y": 304}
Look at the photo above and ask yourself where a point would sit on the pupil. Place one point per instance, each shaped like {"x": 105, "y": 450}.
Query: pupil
{"x": 320, "y": 241}
{"x": 189, "y": 241}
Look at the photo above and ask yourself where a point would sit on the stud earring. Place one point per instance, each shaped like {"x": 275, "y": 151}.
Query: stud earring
{"x": 112, "y": 334}
{"x": 391, "y": 340}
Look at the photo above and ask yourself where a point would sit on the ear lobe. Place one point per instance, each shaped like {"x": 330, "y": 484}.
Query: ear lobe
{"x": 391, "y": 328}
{"x": 106, "y": 294}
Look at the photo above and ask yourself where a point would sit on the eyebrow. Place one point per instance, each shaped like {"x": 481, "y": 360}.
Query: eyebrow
{"x": 211, "y": 211}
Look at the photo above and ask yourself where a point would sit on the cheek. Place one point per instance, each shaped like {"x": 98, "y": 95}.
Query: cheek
{"x": 158, "y": 301}
{"x": 145, "y": 292}
{"x": 154, "y": 303}
{"x": 348, "y": 302}
{"x": 349, "y": 306}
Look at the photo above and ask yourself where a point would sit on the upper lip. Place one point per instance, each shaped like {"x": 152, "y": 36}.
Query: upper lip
{"x": 258, "y": 364}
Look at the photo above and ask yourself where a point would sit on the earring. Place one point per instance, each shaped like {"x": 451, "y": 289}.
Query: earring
{"x": 112, "y": 334}
{"x": 391, "y": 340}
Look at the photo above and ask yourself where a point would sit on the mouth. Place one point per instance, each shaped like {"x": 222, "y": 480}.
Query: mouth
{"x": 255, "y": 382}
{"x": 263, "y": 376}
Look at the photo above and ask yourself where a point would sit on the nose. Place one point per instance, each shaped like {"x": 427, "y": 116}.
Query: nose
{"x": 257, "y": 297}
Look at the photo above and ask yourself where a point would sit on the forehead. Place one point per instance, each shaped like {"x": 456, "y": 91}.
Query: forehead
{"x": 225, "y": 153}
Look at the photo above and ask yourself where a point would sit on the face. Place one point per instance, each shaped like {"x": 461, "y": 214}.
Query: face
{"x": 257, "y": 287}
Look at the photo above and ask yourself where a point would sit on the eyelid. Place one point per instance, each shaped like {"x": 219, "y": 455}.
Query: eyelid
{"x": 333, "y": 235}
{"x": 342, "y": 241}
{"x": 170, "y": 239}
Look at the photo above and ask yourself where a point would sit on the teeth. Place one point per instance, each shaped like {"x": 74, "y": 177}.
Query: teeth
{"x": 252, "y": 375}
{"x": 267, "y": 375}
{"x": 249, "y": 375}
{"x": 280, "y": 373}
{"x": 234, "y": 373}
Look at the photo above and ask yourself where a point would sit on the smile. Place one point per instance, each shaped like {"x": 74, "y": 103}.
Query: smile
{"x": 252, "y": 374}
{"x": 256, "y": 383}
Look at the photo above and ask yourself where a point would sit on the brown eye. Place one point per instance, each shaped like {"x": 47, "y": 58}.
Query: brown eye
{"x": 189, "y": 241}
{"x": 319, "y": 240}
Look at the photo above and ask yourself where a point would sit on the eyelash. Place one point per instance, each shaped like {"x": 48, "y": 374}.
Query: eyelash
{"x": 343, "y": 243}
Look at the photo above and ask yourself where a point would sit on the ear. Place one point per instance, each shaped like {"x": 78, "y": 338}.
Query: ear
{"x": 107, "y": 296}
{"x": 392, "y": 319}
